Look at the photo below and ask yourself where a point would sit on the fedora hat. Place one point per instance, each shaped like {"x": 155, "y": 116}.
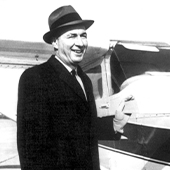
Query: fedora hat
{"x": 61, "y": 19}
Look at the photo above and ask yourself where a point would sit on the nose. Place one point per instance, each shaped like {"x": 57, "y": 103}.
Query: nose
{"x": 79, "y": 41}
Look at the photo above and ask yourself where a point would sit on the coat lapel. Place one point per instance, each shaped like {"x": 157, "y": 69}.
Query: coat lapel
{"x": 86, "y": 83}
{"x": 73, "y": 83}
{"x": 65, "y": 76}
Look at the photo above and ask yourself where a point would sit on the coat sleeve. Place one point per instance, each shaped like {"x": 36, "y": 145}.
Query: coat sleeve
{"x": 105, "y": 130}
{"x": 103, "y": 126}
{"x": 32, "y": 123}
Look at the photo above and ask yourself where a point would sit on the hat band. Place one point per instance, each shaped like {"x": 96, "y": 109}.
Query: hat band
{"x": 65, "y": 19}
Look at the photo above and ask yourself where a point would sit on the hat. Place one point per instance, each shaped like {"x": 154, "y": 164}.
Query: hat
{"x": 62, "y": 18}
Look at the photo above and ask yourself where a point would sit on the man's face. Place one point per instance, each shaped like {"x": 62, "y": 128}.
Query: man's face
{"x": 72, "y": 46}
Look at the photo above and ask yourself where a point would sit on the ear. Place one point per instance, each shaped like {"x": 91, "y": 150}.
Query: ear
{"x": 55, "y": 44}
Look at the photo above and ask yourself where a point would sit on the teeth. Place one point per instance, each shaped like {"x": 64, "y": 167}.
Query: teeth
{"x": 78, "y": 51}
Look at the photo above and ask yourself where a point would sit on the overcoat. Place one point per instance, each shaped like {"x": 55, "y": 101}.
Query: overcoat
{"x": 57, "y": 128}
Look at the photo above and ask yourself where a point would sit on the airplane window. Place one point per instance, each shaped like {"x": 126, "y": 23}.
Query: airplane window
{"x": 96, "y": 78}
{"x": 117, "y": 73}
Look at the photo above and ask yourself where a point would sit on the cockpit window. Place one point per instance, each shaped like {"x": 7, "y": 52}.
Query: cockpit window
{"x": 96, "y": 78}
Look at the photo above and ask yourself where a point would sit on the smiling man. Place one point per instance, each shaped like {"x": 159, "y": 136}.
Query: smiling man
{"x": 57, "y": 121}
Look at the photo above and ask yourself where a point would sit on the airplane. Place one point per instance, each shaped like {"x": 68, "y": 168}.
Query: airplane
{"x": 137, "y": 68}
{"x": 144, "y": 72}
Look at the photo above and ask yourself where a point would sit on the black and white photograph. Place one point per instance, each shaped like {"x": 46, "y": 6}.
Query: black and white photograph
{"x": 84, "y": 85}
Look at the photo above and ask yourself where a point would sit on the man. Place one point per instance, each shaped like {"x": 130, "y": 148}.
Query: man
{"x": 57, "y": 121}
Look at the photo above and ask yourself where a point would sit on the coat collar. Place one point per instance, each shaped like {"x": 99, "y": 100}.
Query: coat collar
{"x": 66, "y": 76}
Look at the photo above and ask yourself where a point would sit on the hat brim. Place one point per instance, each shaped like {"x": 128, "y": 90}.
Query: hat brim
{"x": 56, "y": 32}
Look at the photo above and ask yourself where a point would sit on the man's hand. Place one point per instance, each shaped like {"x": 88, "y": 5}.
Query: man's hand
{"x": 121, "y": 119}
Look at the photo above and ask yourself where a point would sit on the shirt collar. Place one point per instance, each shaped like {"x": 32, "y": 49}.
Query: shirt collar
{"x": 66, "y": 66}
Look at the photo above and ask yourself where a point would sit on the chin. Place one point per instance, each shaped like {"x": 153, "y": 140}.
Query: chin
{"x": 78, "y": 59}
{"x": 77, "y": 62}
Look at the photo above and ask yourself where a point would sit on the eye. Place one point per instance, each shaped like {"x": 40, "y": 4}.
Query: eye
{"x": 84, "y": 35}
{"x": 71, "y": 35}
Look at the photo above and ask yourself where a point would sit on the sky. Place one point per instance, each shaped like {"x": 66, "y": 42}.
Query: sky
{"x": 137, "y": 20}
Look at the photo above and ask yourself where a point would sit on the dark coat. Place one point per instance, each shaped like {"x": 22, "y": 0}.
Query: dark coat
{"x": 56, "y": 126}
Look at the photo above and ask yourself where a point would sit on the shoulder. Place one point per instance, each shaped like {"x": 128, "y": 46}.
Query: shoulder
{"x": 34, "y": 74}
{"x": 32, "y": 71}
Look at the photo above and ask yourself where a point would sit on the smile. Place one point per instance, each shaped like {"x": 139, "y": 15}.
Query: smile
{"x": 78, "y": 51}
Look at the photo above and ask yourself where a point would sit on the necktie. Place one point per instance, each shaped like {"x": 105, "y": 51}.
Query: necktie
{"x": 75, "y": 75}
{"x": 73, "y": 72}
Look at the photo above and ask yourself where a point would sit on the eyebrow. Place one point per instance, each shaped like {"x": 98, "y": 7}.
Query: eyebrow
{"x": 75, "y": 34}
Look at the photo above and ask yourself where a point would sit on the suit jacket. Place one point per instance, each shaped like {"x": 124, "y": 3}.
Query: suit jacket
{"x": 57, "y": 128}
